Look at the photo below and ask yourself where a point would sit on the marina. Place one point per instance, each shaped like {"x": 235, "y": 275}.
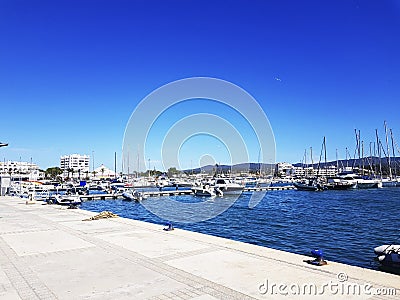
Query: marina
{"x": 200, "y": 150}
{"x": 176, "y": 193}
{"x": 51, "y": 253}
{"x": 279, "y": 218}
{"x": 346, "y": 224}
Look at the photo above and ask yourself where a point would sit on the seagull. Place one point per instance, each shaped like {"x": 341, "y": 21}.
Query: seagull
{"x": 3, "y": 144}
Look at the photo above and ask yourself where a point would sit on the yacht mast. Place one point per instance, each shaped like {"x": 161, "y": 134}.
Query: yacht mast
{"x": 326, "y": 173}
{"x": 362, "y": 156}
{"x": 379, "y": 152}
{"x": 305, "y": 162}
{"x": 388, "y": 150}
{"x": 337, "y": 161}
{"x": 323, "y": 148}
{"x": 312, "y": 162}
{"x": 370, "y": 158}
{"x": 356, "y": 151}
{"x": 394, "y": 154}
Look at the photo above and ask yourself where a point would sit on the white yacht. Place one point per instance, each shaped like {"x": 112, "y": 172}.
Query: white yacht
{"x": 388, "y": 182}
{"x": 204, "y": 191}
{"x": 365, "y": 182}
{"x": 361, "y": 182}
{"x": 228, "y": 187}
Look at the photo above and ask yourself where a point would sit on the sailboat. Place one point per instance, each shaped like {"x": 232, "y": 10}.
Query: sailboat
{"x": 388, "y": 181}
{"x": 314, "y": 183}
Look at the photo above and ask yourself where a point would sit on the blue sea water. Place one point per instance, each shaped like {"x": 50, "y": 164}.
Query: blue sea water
{"x": 346, "y": 225}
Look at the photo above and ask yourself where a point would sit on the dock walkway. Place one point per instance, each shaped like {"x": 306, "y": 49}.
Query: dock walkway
{"x": 166, "y": 193}
{"x": 48, "y": 252}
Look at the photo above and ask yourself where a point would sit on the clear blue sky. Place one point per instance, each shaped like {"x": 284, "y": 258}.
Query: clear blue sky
{"x": 72, "y": 72}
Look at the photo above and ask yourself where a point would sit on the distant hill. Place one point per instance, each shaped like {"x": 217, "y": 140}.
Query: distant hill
{"x": 269, "y": 168}
{"x": 394, "y": 161}
{"x": 244, "y": 167}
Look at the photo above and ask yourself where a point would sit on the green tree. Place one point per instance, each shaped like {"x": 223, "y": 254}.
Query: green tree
{"x": 172, "y": 171}
{"x": 53, "y": 172}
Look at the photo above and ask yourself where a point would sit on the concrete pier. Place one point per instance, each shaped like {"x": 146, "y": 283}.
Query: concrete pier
{"x": 48, "y": 252}
{"x": 167, "y": 193}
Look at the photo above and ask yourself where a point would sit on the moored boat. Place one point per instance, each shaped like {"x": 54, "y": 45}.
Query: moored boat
{"x": 388, "y": 257}
{"x": 388, "y": 182}
{"x": 343, "y": 181}
{"x": 70, "y": 200}
{"x": 340, "y": 184}
{"x": 133, "y": 195}
{"x": 204, "y": 191}
{"x": 228, "y": 187}
{"x": 308, "y": 185}
{"x": 384, "y": 249}
{"x": 363, "y": 182}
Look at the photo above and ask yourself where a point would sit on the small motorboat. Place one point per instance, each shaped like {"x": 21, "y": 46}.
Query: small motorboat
{"x": 70, "y": 200}
{"x": 133, "y": 196}
{"x": 228, "y": 187}
{"x": 204, "y": 191}
{"x": 389, "y": 257}
{"x": 308, "y": 185}
{"x": 384, "y": 249}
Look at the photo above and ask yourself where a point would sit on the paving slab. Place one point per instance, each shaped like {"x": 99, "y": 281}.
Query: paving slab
{"x": 28, "y": 243}
{"x": 100, "y": 226}
{"x": 96, "y": 273}
{"x": 48, "y": 252}
{"x": 152, "y": 244}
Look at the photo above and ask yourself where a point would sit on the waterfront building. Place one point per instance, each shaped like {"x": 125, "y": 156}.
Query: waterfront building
{"x": 75, "y": 165}
{"x": 17, "y": 167}
{"x": 20, "y": 170}
{"x": 103, "y": 172}
{"x": 329, "y": 171}
{"x": 303, "y": 171}
{"x": 284, "y": 169}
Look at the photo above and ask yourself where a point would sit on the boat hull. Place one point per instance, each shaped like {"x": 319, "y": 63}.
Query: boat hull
{"x": 230, "y": 190}
{"x": 341, "y": 186}
{"x": 389, "y": 258}
{"x": 369, "y": 185}
{"x": 135, "y": 196}
{"x": 305, "y": 187}
{"x": 65, "y": 200}
{"x": 389, "y": 183}
{"x": 204, "y": 192}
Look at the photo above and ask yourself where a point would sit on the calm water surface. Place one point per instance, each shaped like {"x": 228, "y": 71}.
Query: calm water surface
{"x": 346, "y": 225}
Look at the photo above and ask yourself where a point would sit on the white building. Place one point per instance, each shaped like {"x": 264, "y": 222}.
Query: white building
{"x": 284, "y": 169}
{"x": 103, "y": 172}
{"x": 75, "y": 165}
{"x": 329, "y": 171}
{"x": 17, "y": 167}
{"x": 20, "y": 170}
